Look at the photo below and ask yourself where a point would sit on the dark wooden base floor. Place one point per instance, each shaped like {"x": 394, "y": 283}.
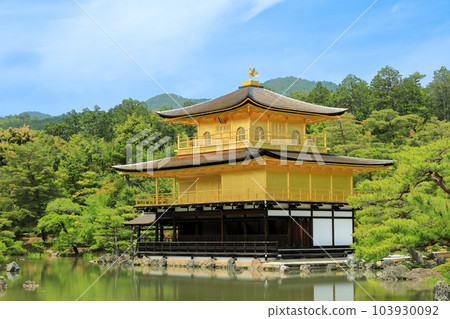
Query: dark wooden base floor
{"x": 254, "y": 249}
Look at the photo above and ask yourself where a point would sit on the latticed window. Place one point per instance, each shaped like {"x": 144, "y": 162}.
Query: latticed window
{"x": 240, "y": 134}
{"x": 207, "y": 138}
{"x": 295, "y": 138}
{"x": 259, "y": 133}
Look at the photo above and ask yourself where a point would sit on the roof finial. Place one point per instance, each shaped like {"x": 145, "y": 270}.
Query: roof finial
{"x": 252, "y": 72}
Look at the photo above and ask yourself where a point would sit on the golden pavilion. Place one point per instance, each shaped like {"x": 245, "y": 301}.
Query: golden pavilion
{"x": 250, "y": 183}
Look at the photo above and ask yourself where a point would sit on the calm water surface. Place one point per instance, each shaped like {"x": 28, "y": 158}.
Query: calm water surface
{"x": 67, "y": 278}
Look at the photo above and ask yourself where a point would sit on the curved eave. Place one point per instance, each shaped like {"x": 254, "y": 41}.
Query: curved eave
{"x": 308, "y": 158}
{"x": 254, "y": 103}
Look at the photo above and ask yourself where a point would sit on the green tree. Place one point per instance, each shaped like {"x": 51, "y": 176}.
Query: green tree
{"x": 385, "y": 87}
{"x": 408, "y": 208}
{"x": 70, "y": 125}
{"x": 299, "y": 95}
{"x": 439, "y": 90}
{"x": 412, "y": 96}
{"x": 430, "y": 131}
{"x": 353, "y": 94}
{"x": 8, "y": 244}
{"x": 110, "y": 233}
{"x": 388, "y": 127}
{"x": 29, "y": 180}
{"x": 344, "y": 135}
{"x": 120, "y": 113}
{"x": 319, "y": 95}
{"x": 85, "y": 162}
{"x": 64, "y": 221}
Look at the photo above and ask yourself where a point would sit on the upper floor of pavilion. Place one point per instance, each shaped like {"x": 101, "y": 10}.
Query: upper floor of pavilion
{"x": 251, "y": 116}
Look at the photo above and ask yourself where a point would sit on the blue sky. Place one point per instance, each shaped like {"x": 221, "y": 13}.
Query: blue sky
{"x": 54, "y": 58}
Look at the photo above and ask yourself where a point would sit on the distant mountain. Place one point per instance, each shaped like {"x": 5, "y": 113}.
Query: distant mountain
{"x": 279, "y": 85}
{"x": 159, "y": 101}
{"x": 35, "y": 120}
{"x": 37, "y": 114}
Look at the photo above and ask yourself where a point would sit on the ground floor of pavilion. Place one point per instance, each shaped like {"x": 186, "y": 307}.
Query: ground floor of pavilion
{"x": 246, "y": 229}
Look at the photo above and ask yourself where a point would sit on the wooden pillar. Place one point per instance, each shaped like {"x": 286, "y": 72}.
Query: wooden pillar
{"x": 331, "y": 186}
{"x": 174, "y": 188}
{"x": 332, "y": 225}
{"x": 157, "y": 190}
{"x": 288, "y": 182}
{"x": 353, "y": 224}
{"x": 157, "y": 232}
{"x": 138, "y": 236}
{"x": 132, "y": 241}
{"x": 290, "y": 230}
{"x": 310, "y": 184}
{"x": 351, "y": 186}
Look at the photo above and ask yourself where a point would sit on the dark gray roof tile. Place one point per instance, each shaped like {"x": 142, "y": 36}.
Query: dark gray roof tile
{"x": 260, "y": 96}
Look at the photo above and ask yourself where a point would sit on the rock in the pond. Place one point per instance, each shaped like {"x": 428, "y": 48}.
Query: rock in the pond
{"x": 393, "y": 273}
{"x": 209, "y": 264}
{"x": 146, "y": 261}
{"x": 387, "y": 263}
{"x": 137, "y": 262}
{"x": 107, "y": 259}
{"x": 12, "y": 267}
{"x": 352, "y": 262}
{"x": 29, "y": 284}
{"x": 441, "y": 291}
{"x": 378, "y": 264}
{"x": 192, "y": 264}
{"x": 12, "y": 276}
{"x": 421, "y": 273}
{"x": 3, "y": 283}
{"x": 305, "y": 268}
{"x": 231, "y": 263}
{"x": 284, "y": 269}
{"x": 126, "y": 262}
{"x": 162, "y": 262}
{"x": 369, "y": 265}
{"x": 238, "y": 270}
{"x": 54, "y": 254}
{"x": 255, "y": 265}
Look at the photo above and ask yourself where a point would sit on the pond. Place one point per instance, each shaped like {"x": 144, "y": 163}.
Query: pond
{"x": 67, "y": 279}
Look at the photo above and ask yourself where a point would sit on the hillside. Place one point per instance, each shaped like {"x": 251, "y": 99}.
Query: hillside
{"x": 279, "y": 85}
{"x": 35, "y": 120}
{"x": 159, "y": 101}
{"x": 37, "y": 114}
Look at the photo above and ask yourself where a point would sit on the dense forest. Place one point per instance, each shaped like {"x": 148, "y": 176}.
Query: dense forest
{"x": 57, "y": 190}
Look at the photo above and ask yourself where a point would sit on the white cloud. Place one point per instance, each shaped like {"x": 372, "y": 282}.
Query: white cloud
{"x": 258, "y": 6}
{"x": 75, "y": 54}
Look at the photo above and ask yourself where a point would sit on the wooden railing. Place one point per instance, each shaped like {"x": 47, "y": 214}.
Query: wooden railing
{"x": 213, "y": 248}
{"x": 238, "y": 140}
{"x": 243, "y": 195}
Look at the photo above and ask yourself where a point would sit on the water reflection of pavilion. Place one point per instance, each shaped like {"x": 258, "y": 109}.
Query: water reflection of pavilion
{"x": 220, "y": 285}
